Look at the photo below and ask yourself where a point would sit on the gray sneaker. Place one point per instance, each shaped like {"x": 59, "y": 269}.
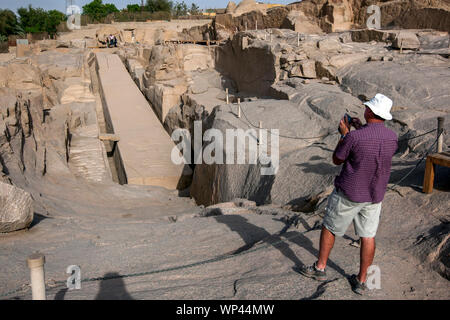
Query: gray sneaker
{"x": 357, "y": 286}
{"x": 313, "y": 272}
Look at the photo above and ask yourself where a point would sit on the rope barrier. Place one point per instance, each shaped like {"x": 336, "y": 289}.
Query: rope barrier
{"x": 322, "y": 136}
{"x": 421, "y": 135}
{"x": 392, "y": 188}
{"x": 280, "y": 135}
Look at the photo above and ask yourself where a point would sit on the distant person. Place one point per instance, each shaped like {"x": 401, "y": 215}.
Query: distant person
{"x": 360, "y": 187}
{"x": 112, "y": 41}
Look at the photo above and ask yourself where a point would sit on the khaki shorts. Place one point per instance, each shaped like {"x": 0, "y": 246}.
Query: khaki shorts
{"x": 340, "y": 213}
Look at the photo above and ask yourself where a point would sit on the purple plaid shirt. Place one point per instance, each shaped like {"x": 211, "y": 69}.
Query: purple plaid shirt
{"x": 367, "y": 153}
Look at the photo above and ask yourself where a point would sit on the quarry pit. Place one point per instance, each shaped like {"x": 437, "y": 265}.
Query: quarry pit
{"x": 86, "y": 144}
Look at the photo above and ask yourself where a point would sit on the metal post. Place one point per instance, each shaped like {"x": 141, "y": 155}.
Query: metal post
{"x": 228, "y": 98}
{"x": 246, "y": 26}
{"x": 440, "y": 136}
{"x": 36, "y": 264}
{"x": 256, "y": 25}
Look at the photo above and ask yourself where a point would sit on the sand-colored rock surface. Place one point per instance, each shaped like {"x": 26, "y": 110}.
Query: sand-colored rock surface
{"x": 233, "y": 233}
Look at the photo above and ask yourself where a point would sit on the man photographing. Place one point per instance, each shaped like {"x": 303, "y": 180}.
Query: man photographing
{"x": 366, "y": 154}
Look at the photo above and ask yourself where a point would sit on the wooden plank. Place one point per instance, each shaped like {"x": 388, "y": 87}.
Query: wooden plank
{"x": 428, "y": 179}
{"x": 440, "y": 159}
{"x": 441, "y": 162}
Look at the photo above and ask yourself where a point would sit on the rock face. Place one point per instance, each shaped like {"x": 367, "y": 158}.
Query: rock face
{"x": 248, "y": 75}
{"x": 302, "y": 73}
{"x": 16, "y": 208}
{"x": 338, "y": 15}
{"x": 299, "y": 22}
{"x": 227, "y": 24}
{"x": 406, "y": 40}
{"x": 166, "y": 77}
{"x": 304, "y": 168}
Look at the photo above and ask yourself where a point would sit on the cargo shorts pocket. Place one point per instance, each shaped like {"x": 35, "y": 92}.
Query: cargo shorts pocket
{"x": 331, "y": 209}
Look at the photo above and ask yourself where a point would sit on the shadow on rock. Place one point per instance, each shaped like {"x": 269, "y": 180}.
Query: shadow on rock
{"x": 302, "y": 241}
{"x": 321, "y": 168}
{"x": 37, "y": 218}
{"x": 61, "y": 294}
{"x": 112, "y": 287}
{"x": 252, "y": 234}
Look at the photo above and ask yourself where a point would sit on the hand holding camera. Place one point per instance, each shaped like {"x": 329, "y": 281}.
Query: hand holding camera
{"x": 347, "y": 122}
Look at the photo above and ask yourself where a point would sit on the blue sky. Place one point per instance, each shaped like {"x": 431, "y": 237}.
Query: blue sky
{"x": 61, "y": 4}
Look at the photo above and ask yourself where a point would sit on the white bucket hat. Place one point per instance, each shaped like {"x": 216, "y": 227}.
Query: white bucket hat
{"x": 381, "y": 106}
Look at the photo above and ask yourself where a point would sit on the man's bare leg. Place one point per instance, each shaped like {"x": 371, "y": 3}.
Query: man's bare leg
{"x": 326, "y": 244}
{"x": 367, "y": 253}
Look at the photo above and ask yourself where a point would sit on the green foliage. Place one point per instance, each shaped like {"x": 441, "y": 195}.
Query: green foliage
{"x": 34, "y": 20}
{"x": 20, "y": 31}
{"x": 8, "y": 22}
{"x": 3, "y": 38}
{"x": 97, "y": 10}
{"x": 52, "y": 21}
{"x": 194, "y": 10}
{"x": 159, "y": 5}
{"x": 110, "y": 8}
{"x": 179, "y": 9}
{"x": 133, "y": 8}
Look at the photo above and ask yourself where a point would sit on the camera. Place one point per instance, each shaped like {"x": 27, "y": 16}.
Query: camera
{"x": 349, "y": 119}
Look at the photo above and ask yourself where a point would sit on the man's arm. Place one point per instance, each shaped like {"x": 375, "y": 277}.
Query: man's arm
{"x": 336, "y": 160}
{"x": 344, "y": 128}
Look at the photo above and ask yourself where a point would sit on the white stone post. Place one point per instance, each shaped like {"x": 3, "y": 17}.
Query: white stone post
{"x": 239, "y": 107}
{"x": 36, "y": 264}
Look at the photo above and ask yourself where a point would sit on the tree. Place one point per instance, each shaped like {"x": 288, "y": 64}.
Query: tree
{"x": 8, "y": 22}
{"x": 180, "y": 9}
{"x": 52, "y": 21}
{"x": 38, "y": 20}
{"x": 97, "y": 10}
{"x": 159, "y": 5}
{"x": 194, "y": 10}
{"x": 31, "y": 19}
{"x": 133, "y": 8}
{"x": 110, "y": 8}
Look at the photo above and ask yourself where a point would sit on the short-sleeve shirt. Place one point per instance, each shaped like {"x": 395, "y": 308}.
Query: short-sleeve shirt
{"x": 367, "y": 153}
